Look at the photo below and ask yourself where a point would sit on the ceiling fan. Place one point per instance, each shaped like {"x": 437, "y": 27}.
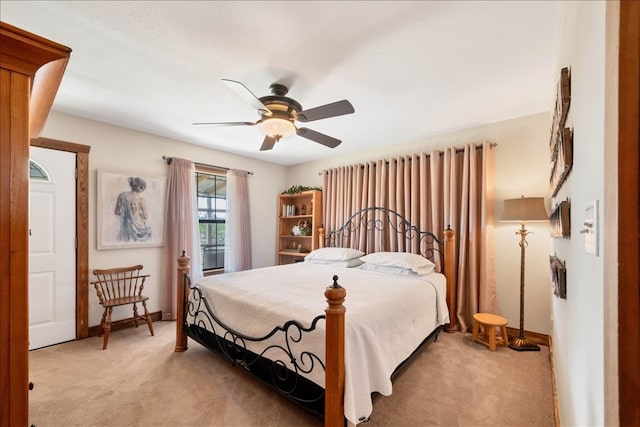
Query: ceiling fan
{"x": 278, "y": 115}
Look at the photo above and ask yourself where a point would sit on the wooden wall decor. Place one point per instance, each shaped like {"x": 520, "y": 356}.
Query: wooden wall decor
{"x": 561, "y": 220}
{"x": 561, "y": 141}
{"x": 561, "y": 159}
{"x": 563, "y": 100}
{"x": 558, "y": 276}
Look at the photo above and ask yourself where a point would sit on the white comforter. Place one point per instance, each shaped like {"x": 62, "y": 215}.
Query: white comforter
{"x": 387, "y": 317}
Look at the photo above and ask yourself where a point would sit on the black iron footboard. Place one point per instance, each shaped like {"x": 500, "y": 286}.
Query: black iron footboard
{"x": 283, "y": 367}
{"x": 278, "y": 366}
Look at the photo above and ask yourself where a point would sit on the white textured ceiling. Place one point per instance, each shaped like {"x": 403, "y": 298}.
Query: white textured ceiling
{"x": 410, "y": 69}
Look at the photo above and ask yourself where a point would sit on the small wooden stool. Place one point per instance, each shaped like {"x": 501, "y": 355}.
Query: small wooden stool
{"x": 489, "y": 323}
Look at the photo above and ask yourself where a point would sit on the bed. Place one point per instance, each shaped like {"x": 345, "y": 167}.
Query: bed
{"x": 326, "y": 356}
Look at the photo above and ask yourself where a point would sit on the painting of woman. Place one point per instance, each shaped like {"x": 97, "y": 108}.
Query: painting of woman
{"x": 131, "y": 206}
{"x": 130, "y": 210}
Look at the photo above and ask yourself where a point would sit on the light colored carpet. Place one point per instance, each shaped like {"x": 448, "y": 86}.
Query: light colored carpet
{"x": 140, "y": 381}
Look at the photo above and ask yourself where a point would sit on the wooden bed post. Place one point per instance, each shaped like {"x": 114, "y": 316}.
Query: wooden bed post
{"x": 182, "y": 295}
{"x": 451, "y": 275}
{"x": 321, "y": 237}
{"x": 334, "y": 357}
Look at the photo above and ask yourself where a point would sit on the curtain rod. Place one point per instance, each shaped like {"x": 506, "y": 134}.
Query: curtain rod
{"x": 168, "y": 159}
{"x": 458, "y": 150}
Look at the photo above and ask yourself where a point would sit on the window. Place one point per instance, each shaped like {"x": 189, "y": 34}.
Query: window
{"x": 37, "y": 172}
{"x": 212, "y": 214}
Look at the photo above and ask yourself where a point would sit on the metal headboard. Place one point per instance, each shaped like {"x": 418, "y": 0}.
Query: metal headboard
{"x": 375, "y": 228}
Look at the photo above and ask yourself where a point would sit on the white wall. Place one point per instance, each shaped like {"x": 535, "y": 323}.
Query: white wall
{"x": 123, "y": 150}
{"x": 522, "y": 168}
{"x": 578, "y": 320}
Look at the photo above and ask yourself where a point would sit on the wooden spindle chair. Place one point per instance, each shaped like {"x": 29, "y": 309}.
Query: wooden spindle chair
{"x": 120, "y": 286}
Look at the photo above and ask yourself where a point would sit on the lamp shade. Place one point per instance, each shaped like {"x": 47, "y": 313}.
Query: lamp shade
{"x": 524, "y": 209}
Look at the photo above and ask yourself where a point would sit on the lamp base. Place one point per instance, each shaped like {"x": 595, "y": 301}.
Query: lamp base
{"x": 523, "y": 343}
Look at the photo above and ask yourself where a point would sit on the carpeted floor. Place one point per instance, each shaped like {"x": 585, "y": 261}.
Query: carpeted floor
{"x": 140, "y": 381}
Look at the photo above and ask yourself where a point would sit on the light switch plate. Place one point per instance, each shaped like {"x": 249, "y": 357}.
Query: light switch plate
{"x": 591, "y": 228}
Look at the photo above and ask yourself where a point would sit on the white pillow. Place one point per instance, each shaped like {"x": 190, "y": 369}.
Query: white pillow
{"x": 334, "y": 254}
{"x": 353, "y": 262}
{"x": 398, "y": 271}
{"x": 417, "y": 263}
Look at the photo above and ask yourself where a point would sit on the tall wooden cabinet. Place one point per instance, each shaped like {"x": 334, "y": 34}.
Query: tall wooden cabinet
{"x": 299, "y": 218}
{"x": 25, "y": 100}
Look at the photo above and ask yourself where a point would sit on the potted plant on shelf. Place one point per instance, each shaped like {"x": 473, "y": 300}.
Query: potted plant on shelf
{"x": 295, "y": 189}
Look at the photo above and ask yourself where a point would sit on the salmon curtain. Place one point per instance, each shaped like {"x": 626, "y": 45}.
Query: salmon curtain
{"x": 432, "y": 191}
{"x": 181, "y": 232}
{"x": 237, "y": 256}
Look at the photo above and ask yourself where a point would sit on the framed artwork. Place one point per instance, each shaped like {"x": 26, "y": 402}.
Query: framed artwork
{"x": 560, "y": 219}
{"x": 561, "y": 141}
{"x": 562, "y": 160}
{"x": 130, "y": 210}
{"x": 558, "y": 276}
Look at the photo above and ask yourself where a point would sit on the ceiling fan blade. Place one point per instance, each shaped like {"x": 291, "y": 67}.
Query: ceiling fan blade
{"x": 268, "y": 143}
{"x": 244, "y": 93}
{"x": 318, "y": 137}
{"x": 225, "y": 123}
{"x": 338, "y": 108}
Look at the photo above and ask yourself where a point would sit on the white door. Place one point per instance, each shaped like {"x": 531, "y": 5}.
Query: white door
{"x": 52, "y": 248}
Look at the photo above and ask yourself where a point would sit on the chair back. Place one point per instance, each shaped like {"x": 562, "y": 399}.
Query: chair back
{"x": 121, "y": 283}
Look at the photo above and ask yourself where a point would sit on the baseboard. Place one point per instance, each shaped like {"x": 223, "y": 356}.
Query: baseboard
{"x": 540, "y": 339}
{"x": 554, "y": 386}
{"x": 94, "y": 331}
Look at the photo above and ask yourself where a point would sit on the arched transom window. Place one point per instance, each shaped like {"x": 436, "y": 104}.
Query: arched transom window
{"x": 37, "y": 171}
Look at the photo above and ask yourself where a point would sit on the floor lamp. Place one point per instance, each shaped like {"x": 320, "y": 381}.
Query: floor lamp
{"x": 523, "y": 210}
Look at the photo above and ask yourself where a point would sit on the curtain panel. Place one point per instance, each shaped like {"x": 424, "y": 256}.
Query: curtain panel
{"x": 181, "y": 230}
{"x": 432, "y": 191}
{"x": 237, "y": 256}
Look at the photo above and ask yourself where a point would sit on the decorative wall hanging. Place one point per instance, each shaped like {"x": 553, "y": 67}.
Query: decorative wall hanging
{"x": 130, "y": 211}
{"x": 561, "y": 220}
{"x": 561, "y": 141}
{"x": 561, "y": 160}
{"x": 558, "y": 276}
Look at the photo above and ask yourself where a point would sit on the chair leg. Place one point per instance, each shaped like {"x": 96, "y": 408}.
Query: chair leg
{"x": 107, "y": 329}
{"x": 102, "y": 322}
{"x": 147, "y": 317}
{"x": 135, "y": 314}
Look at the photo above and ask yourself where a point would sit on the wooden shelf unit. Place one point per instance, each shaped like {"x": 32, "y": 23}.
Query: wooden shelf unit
{"x": 306, "y": 206}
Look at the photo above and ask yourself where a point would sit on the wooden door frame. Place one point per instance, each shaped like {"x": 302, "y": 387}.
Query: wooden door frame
{"x": 82, "y": 226}
{"x": 24, "y": 105}
{"x": 629, "y": 214}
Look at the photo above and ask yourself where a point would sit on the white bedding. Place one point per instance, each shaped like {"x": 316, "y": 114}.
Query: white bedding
{"x": 387, "y": 317}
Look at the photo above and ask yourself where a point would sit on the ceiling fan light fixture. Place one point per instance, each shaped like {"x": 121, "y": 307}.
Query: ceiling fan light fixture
{"x": 276, "y": 127}
{"x": 279, "y": 114}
